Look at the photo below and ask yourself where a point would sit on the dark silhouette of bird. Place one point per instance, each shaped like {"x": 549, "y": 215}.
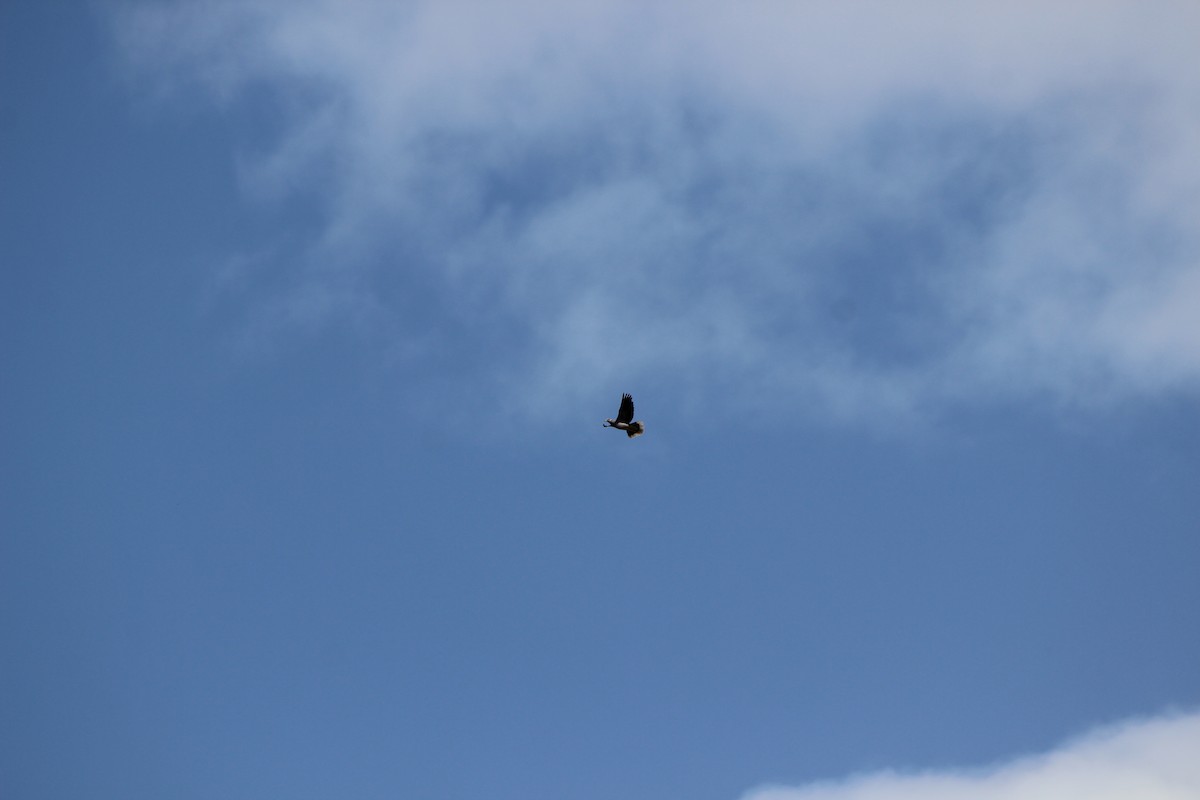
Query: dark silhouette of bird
{"x": 624, "y": 420}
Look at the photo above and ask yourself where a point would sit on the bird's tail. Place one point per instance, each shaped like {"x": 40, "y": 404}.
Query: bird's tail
{"x": 635, "y": 429}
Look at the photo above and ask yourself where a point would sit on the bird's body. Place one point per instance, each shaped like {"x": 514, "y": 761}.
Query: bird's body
{"x": 624, "y": 420}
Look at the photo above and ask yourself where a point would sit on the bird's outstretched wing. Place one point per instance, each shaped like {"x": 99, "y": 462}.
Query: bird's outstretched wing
{"x": 626, "y": 412}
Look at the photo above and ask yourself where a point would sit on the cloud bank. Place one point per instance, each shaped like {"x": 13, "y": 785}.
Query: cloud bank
{"x": 1146, "y": 760}
{"x": 841, "y": 211}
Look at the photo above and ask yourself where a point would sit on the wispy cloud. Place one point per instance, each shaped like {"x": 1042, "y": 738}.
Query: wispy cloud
{"x": 852, "y": 210}
{"x": 1146, "y": 759}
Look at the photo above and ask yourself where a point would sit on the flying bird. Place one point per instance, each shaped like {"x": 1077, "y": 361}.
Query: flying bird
{"x": 624, "y": 420}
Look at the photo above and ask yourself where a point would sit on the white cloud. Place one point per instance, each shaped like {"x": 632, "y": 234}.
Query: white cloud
{"x": 855, "y": 209}
{"x": 1141, "y": 760}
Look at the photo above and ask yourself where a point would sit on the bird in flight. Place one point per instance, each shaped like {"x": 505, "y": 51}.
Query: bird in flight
{"x": 624, "y": 420}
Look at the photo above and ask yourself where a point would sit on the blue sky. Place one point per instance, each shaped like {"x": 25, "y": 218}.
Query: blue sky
{"x": 311, "y": 312}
